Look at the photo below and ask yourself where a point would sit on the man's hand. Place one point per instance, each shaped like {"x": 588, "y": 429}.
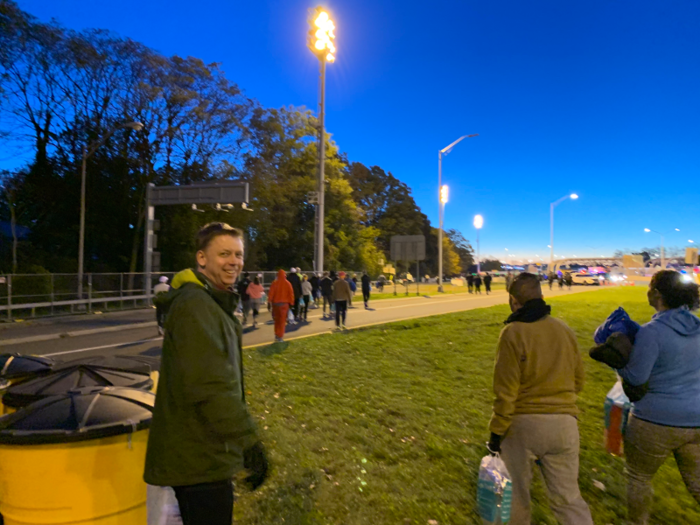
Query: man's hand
{"x": 255, "y": 460}
{"x": 494, "y": 444}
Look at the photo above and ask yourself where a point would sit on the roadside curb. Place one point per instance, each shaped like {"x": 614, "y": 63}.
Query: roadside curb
{"x": 75, "y": 333}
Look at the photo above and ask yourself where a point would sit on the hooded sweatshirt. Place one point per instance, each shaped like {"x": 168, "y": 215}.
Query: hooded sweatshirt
{"x": 281, "y": 290}
{"x": 667, "y": 354}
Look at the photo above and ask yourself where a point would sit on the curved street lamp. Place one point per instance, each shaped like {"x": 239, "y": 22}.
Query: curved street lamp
{"x": 572, "y": 196}
{"x": 88, "y": 150}
{"x": 442, "y": 152}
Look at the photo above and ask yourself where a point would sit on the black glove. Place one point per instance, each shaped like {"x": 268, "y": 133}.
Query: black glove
{"x": 494, "y": 444}
{"x": 255, "y": 460}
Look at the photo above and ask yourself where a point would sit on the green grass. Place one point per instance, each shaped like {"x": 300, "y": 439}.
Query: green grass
{"x": 387, "y": 425}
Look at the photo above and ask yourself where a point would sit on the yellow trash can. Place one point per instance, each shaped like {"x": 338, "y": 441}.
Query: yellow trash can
{"x": 15, "y": 368}
{"x": 76, "y": 459}
{"x": 69, "y": 376}
{"x": 131, "y": 363}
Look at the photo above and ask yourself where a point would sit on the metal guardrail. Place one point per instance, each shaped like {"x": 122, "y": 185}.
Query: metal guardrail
{"x": 45, "y": 295}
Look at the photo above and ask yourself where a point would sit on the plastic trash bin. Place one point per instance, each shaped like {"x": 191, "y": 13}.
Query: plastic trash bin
{"x": 130, "y": 363}
{"x": 68, "y": 377}
{"x": 15, "y": 368}
{"x": 76, "y": 459}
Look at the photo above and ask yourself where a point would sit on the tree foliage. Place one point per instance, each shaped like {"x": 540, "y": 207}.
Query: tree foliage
{"x": 64, "y": 92}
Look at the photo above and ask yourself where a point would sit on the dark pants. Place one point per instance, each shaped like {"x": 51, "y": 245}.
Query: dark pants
{"x": 488, "y": 287}
{"x": 477, "y": 288}
{"x": 305, "y": 307}
{"x": 341, "y": 310}
{"x": 365, "y": 296}
{"x": 160, "y": 316}
{"x": 206, "y": 503}
{"x": 327, "y": 301}
{"x": 295, "y": 308}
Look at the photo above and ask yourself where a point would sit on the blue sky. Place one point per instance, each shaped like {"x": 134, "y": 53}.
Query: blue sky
{"x": 601, "y": 98}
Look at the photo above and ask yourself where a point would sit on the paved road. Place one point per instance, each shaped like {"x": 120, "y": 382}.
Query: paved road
{"x": 126, "y": 337}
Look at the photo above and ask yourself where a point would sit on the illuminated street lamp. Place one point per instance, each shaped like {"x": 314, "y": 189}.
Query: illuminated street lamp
{"x": 478, "y": 223}
{"x": 573, "y": 196}
{"x": 88, "y": 150}
{"x": 320, "y": 42}
{"x": 663, "y": 255}
{"x": 442, "y": 152}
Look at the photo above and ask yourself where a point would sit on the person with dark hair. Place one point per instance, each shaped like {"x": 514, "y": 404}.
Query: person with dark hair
{"x": 665, "y": 357}
{"x": 470, "y": 283}
{"x": 538, "y": 374}
{"x": 255, "y": 291}
{"x": 487, "y": 282}
{"x": 295, "y": 280}
{"x": 477, "y": 283}
{"x": 342, "y": 296}
{"x": 242, "y": 289}
{"x": 326, "y": 292}
{"x": 568, "y": 279}
{"x": 366, "y": 288}
{"x": 202, "y": 433}
{"x": 551, "y": 277}
{"x": 315, "y": 281}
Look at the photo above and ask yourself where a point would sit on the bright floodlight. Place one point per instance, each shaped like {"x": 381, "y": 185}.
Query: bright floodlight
{"x": 573, "y": 196}
{"x": 478, "y": 221}
{"x": 322, "y": 35}
{"x": 647, "y": 230}
{"x": 443, "y": 194}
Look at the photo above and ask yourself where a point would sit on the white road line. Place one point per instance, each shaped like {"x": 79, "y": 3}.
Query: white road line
{"x": 132, "y": 343}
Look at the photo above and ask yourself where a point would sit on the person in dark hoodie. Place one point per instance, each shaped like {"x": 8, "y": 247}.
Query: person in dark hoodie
{"x": 327, "y": 293}
{"x": 666, "y": 355}
{"x": 242, "y": 289}
{"x": 366, "y": 288}
{"x": 295, "y": 280}
{"x": 202, "y": 433}
{"x": 538, "y": 374}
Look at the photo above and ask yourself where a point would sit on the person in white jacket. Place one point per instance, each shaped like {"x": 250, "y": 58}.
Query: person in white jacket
{"x": 160, "y": 288}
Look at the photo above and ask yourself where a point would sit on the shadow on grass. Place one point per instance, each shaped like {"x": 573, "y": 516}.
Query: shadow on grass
{"x": 272, "y": 349}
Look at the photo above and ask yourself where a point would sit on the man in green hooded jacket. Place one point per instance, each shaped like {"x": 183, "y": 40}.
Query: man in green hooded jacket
{"x": 202, "y": 432}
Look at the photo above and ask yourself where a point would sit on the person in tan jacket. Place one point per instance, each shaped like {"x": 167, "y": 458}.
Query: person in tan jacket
{"x": 537, "y": 377}
{"x": 342, "y": 295}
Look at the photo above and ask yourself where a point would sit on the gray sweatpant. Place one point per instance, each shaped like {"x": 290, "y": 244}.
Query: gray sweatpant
{"x": 646, "y": 447}
{"x": 552, "y": 440}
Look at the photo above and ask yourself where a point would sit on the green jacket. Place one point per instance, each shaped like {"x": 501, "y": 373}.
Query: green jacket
{"x": 201, "y": 424}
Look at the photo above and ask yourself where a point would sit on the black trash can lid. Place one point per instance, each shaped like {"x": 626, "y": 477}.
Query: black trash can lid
{"x": 79, "y": 415}
{"x": 70, "y": 377}
{"x": 16, "y": 365}
{"x": 129, "y": 363}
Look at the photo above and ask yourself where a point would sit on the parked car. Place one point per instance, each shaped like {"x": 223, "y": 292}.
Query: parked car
{"x": 588, "y": 279}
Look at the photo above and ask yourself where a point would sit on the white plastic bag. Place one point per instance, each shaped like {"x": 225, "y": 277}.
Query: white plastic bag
{"x": 290, "y": 316}
{"x": 617, "y": 409}
{"x": 162, "y": 506}
{"x": 494, "y": 491}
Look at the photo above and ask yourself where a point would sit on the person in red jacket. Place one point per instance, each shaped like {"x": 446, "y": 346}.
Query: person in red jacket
{"x": 281, "y": 297}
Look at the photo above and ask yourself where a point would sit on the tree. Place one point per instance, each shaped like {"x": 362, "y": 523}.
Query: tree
{"x": 463, "y": 248}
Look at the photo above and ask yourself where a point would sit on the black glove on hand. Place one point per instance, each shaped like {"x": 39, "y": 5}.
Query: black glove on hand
{"x": 255, "y": 460}
{"x": 494, "y": 444}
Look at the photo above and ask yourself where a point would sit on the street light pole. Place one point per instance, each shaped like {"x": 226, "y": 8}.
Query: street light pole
{"x": 88, "y": 150}
{"x": 442, "y": 152}
{"x": 572, "y": 196}
{"x": 321, "y": 36}
{"x": 478, "y": 223}
{"x": 663, "y": 255}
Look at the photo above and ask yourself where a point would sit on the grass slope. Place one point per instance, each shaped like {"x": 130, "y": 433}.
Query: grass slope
{"x": 387, "y": 425}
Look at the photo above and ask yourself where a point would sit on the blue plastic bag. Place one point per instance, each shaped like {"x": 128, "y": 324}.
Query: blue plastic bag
{"x": 494, "y": 491}
{"x": 618, "y": 321}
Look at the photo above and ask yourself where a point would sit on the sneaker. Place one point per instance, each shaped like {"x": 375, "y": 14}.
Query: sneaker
{"x": 161, "y": 331}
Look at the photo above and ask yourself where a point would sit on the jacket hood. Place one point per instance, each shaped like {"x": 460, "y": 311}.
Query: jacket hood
{"x": 282, "y": 275}
{"x": 681, "y": 320}
{"x": 185, "y": 276}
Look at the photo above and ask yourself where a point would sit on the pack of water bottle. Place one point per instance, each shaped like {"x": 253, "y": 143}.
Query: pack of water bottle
{"x": 494, "y": 492}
